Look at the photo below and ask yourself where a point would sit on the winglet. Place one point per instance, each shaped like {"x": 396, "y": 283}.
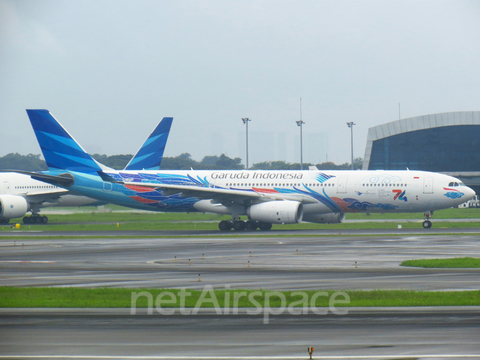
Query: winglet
{"x": 149, "y": 156}
{"x": 60, "y": 150}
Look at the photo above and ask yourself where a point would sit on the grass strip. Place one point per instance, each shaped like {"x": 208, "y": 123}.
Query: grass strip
{"x": 93, "y": 216}
{"x": 211, "y": 226}
{"x": 465, "y": 262}
{"x": 134, "y": 221}
{"x": 7, "y": 241}
{"x": 45, "y": 297}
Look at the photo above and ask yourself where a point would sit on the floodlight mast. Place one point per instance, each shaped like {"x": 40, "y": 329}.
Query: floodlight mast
{"x": 300, "y": 123}
{"x": 350, "y": 125}
{"x": 245, "y": 121}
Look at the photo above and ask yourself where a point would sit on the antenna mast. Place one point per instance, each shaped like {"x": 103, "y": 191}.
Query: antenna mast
{"x": 300, "y": 108}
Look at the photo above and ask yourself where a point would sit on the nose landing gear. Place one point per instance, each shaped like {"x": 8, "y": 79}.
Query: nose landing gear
{"x": 427, "y": 224}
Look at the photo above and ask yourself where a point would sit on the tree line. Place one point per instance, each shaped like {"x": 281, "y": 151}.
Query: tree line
{"x": 32, "y": 162}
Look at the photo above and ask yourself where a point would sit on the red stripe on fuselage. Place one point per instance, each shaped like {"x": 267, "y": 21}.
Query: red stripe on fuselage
{"x": 142, "y": 200}
{"x": 139, "y": 188}
{"x": 268, "y": 191}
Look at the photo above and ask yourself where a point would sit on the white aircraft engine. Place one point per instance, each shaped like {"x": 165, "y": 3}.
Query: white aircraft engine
{"x": 277, "y": 212}
{"x": 331, "y": 218}
{"x": 12, "y": 206}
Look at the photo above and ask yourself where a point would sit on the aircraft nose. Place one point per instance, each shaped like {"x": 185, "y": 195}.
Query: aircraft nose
{"x": 470, "y": 193}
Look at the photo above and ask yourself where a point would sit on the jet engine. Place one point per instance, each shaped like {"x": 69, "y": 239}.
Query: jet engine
{"x": 277, "y": 212}
{"x": 330, "y": 218}
{"x": 12, "y": 206}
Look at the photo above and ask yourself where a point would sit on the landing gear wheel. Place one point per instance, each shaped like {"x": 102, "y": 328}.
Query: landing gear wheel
{"x": 44, "y": 219}
{"x": 251, "y": 225}
{"x": 239, "y": 225}
{"x": 427, "y": 224}
{"x": 26, "y": 220}
{"x": 37, "y": 219}
{"x": 225, "y": 225}
{"x": 264, "y": 226}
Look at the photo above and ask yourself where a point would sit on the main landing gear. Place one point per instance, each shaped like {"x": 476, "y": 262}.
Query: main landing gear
{"x": 427, "y": 224}
{"x": 240, "y": 225}
{"x": 35, "y": 219}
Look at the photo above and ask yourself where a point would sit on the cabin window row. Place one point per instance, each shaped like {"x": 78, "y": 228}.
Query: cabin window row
{"x": 385, "y": 185}
{"x": 276, "y": 184}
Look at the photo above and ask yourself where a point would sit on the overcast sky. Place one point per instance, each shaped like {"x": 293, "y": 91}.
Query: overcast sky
{"x": 110, "y": 70}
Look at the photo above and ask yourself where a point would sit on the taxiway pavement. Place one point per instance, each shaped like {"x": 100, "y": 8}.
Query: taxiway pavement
{"x": 322, "y": 262}
{"x": 360, "y": 334}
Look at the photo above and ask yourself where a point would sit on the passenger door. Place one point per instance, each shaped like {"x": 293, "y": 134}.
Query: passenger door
{"x": 428, "y": 185}
{"x": 342, "y": 185}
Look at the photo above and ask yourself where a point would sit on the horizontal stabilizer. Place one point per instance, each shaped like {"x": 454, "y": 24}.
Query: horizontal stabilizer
{"x": 62, "y": 180}
{"x": 108, "y": 178}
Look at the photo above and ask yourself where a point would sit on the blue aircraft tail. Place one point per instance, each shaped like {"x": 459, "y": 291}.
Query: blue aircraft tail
{"x": 60, "y": 150}
{"x": 150, "y": 155}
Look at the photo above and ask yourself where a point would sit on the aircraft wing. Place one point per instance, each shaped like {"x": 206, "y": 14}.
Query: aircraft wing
{"x": 221, "y": 194}
{"x": 60, "y": 180}
{"x": 46, "y": 197}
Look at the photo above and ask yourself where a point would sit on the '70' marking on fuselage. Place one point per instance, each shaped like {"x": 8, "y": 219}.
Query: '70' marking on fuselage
{"x": 400, "y": 195}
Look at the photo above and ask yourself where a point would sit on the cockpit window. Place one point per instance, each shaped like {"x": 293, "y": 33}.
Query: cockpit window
{"x": 453, "y": 184}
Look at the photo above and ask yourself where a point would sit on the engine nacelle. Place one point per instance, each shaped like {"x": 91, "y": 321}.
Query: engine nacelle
{"x": 12, "y": 206}
{"x": 330, "y": 218}
{"x": 277, "y": 212}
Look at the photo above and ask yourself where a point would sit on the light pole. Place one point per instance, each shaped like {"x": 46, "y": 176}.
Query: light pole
{"x": 300, "y": 123}
{"x": 245, "y": 121}
{"x": 350, "y": 125}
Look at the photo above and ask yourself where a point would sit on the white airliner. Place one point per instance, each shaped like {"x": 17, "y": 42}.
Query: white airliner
{"x": 19, "y": 193}
{"x": 264, "y": 197}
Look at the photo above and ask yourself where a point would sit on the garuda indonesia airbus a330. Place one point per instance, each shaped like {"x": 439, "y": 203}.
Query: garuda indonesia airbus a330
{"x": 264, "y": 197}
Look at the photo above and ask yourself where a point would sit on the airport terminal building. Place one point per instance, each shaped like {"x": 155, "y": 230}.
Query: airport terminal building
{"x": 447, "y": 143}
